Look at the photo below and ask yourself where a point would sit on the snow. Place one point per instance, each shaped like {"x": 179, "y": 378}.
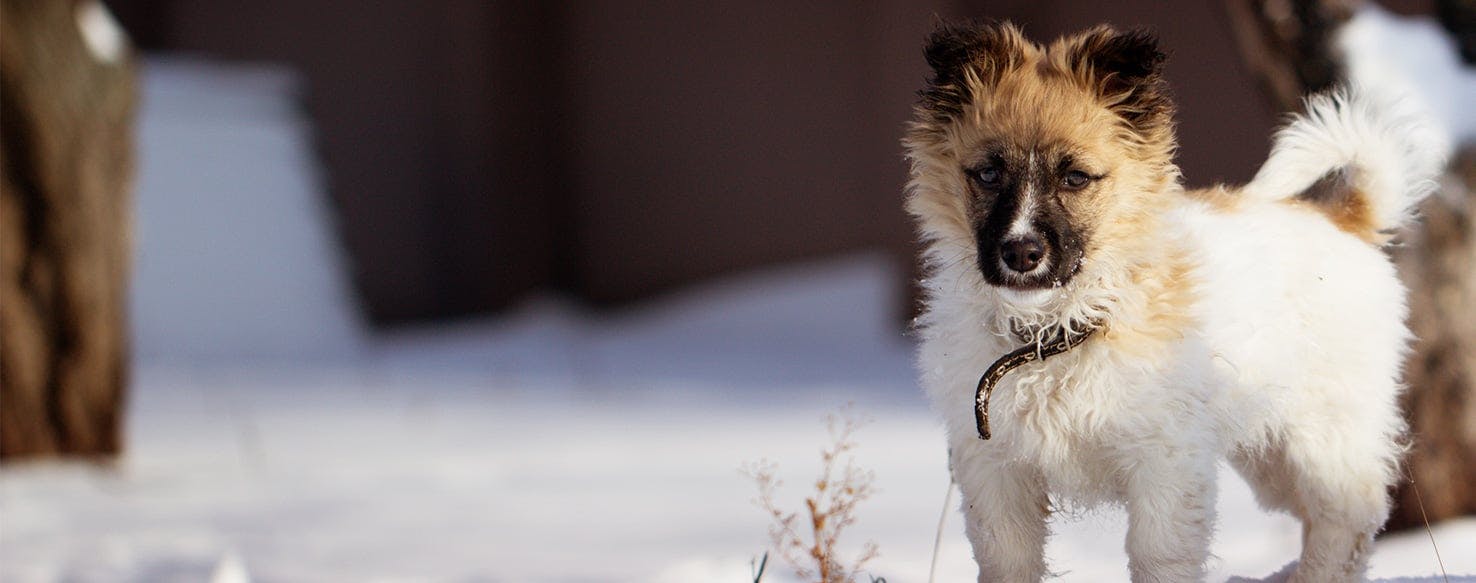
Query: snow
{"x": 102, "y": 35}
{"x": 1414, "y": 57}
{"x": 235, "y": 257}
{"x": 553, "y": 445}
{"x": 272, "y": 439}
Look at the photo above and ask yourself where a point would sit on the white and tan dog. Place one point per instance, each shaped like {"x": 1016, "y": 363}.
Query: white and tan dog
{"x": 1262, "y": 324}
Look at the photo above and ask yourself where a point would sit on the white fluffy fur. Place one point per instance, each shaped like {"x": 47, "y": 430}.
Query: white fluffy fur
{"x": 1394, "y": 154}
{"x": 1288, "y": 366}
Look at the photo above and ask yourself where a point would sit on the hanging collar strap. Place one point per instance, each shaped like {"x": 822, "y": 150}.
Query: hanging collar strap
{"x": 1039, "y": 350}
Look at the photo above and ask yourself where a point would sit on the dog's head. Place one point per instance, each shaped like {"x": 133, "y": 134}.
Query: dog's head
{"x": 1039, "y": 160}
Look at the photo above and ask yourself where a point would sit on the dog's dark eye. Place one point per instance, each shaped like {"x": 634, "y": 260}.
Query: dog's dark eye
{"x": 1075, "y": 180}
{"x": 988, "y": 176}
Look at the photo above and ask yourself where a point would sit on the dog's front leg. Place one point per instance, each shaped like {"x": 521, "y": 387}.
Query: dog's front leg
{"x": 1171, "y": 513}
{"x": 1005, "y": 507}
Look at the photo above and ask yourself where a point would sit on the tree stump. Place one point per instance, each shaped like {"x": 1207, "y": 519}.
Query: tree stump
{"x": 67, "y": 96}
{"x": 1438, "y": 262}
{"x": 1287, "y": 43}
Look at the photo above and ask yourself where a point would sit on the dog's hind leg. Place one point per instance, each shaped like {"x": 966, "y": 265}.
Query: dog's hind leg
{"x": 1005, "y": 508}
{"x": 1340, "y": 514}
{"x": 1333, "y": 547}
{"x": 1340, "y": 480}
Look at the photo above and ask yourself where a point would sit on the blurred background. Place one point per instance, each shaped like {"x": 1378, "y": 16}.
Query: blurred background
{"x": 477, "y": 152}
{"x": 507, "y": 291}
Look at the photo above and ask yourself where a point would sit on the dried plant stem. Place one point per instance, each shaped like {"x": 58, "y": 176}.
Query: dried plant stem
{"x": 938, "y": 537}
{"x": 840, "y": 487}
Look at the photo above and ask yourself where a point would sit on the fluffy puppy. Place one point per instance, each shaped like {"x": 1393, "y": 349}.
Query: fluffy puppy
{"x": 1262, "y": 324}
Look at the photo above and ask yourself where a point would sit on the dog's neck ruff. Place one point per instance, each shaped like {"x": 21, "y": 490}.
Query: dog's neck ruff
{"x": 1061, "y": 341}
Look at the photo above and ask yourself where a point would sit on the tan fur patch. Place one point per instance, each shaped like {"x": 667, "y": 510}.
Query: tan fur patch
{"x": 1218, "y": 197}
{"x": 1172, "y": 289}
{"x": 1354, "y": 217}
{"x": 1336, "y": 197}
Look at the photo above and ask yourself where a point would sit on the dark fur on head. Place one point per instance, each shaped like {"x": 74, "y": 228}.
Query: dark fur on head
{"x": 953, "y": 51}
{"x": 1127, "y": 65}
{"x": 1124, "y": 66}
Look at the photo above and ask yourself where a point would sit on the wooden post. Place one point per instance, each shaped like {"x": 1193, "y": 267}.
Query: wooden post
{"x": 67, "y": 95}
{"x": 1438, "y": 263}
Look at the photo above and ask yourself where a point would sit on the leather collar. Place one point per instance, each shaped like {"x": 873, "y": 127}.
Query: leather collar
{"x": 1039, "y": 350}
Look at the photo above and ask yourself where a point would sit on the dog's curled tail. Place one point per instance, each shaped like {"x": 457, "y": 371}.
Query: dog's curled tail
{"x": 1363, "y": 162}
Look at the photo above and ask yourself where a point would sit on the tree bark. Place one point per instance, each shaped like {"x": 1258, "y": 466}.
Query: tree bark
{"x": 1438, "y": 262}
{"x": 66, "y": 166}
{"x": 1287, "y": 43}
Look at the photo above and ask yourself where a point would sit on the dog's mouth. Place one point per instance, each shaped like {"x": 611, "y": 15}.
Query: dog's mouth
{"x": 1036, "y": 282}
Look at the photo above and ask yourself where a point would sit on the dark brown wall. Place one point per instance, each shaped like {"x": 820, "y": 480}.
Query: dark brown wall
{"x": 432, "y": 122}
{"x": 614, "y": 149}
{"x": 620, "y": 149}
{"x": 708, "y": 137}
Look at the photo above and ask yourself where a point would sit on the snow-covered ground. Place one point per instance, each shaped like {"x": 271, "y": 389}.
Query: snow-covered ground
{"x": 555, "y": 446}
{"x": 272, "y": 438}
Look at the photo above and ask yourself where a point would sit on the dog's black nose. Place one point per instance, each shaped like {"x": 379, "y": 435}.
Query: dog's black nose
{"x": 1022, "y": 255}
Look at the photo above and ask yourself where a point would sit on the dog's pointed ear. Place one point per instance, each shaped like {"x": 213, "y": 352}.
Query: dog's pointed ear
{"x": 950, "y": 48}
{"x": 1126, "y": 69}
{"x": 957, "y": 51}
{"x": 1120, "y": 58}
